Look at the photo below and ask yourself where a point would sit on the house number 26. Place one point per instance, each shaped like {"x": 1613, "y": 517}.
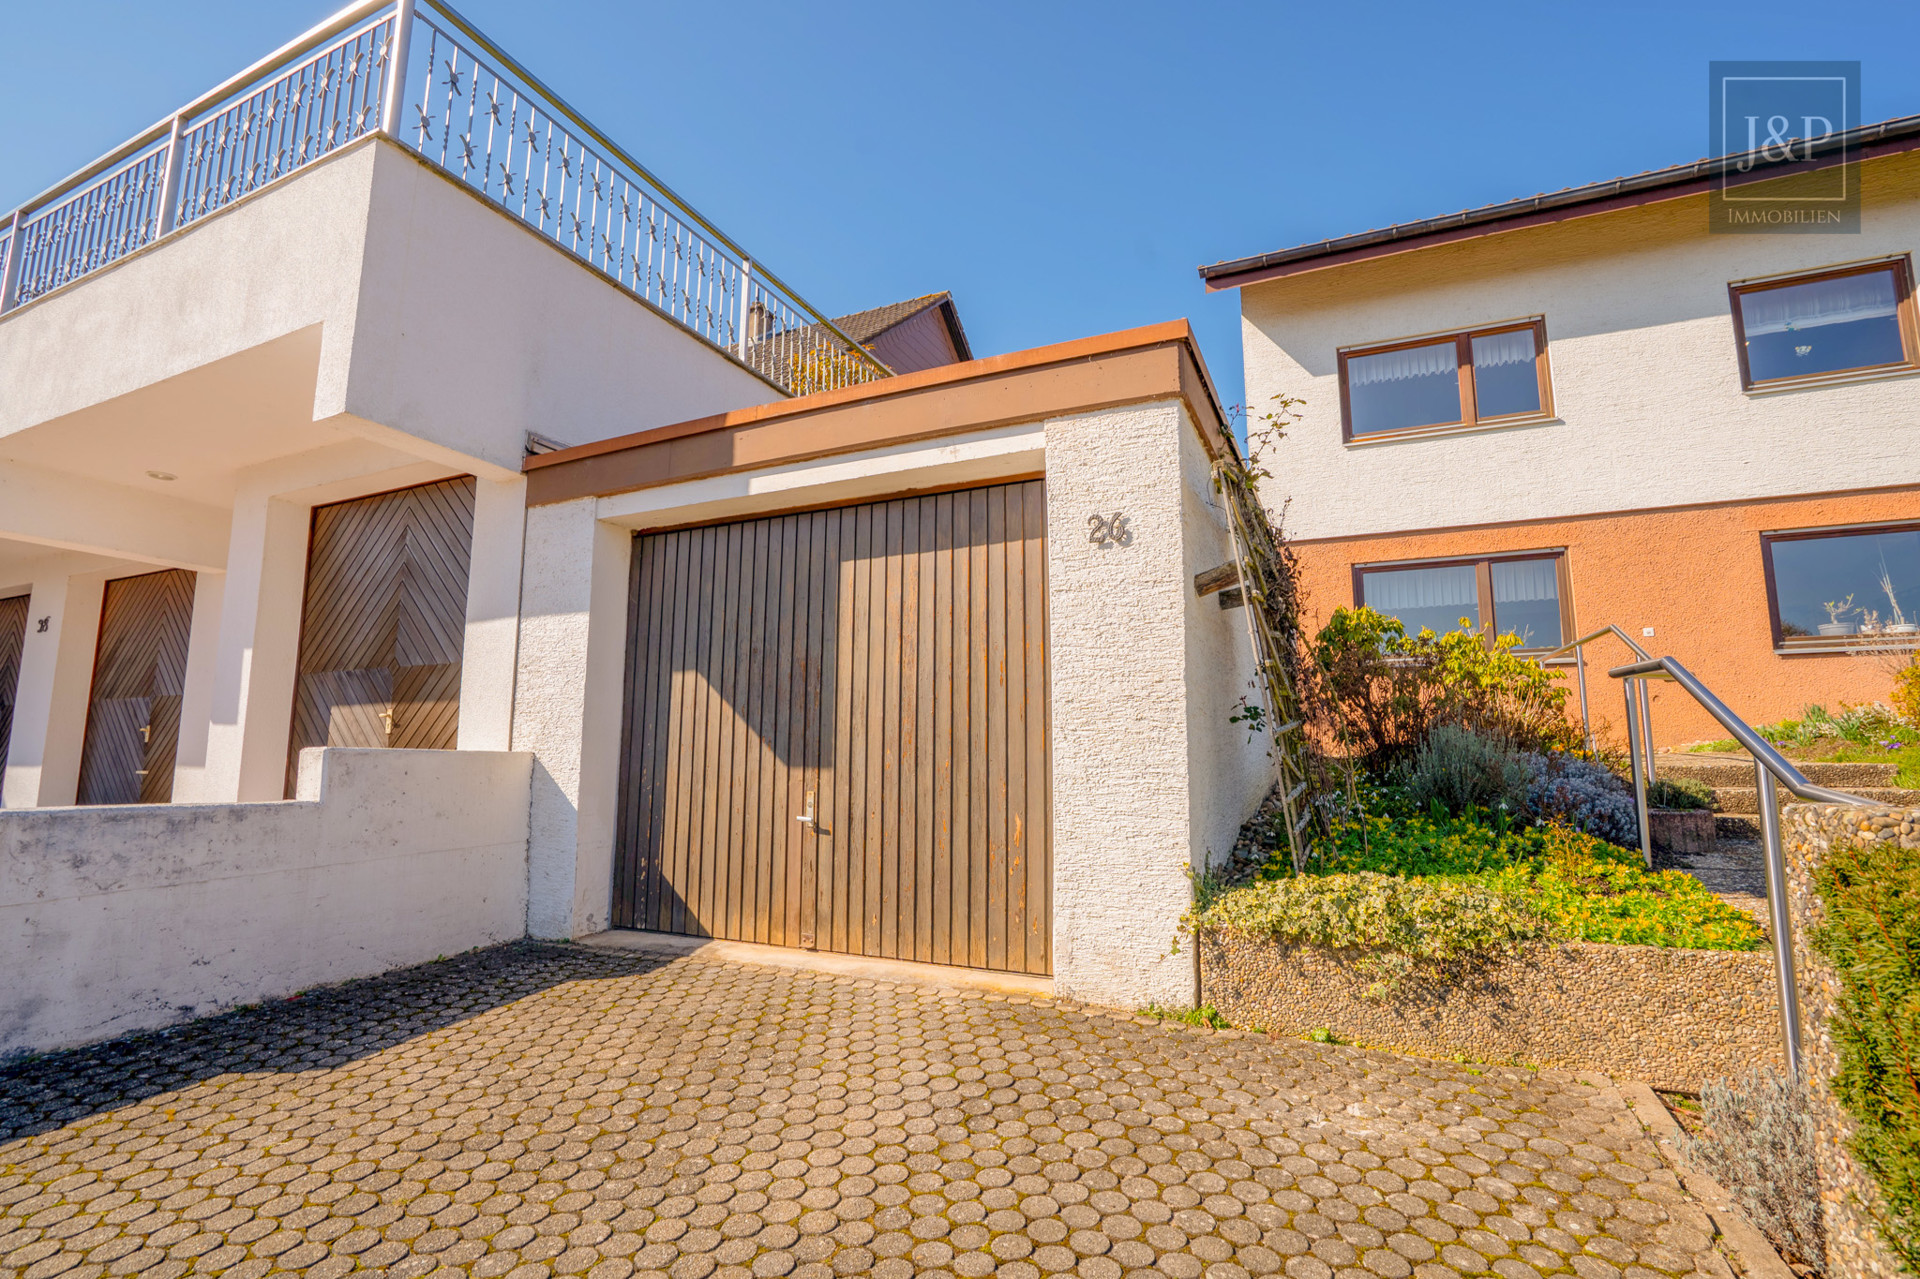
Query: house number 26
{"x": 1109, "y": 530}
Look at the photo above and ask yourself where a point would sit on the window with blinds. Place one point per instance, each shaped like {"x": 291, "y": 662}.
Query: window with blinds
{"x": 1832, "y": 325}
{"x": 1522, "y": 595}
{"x": 1477, "y": 377}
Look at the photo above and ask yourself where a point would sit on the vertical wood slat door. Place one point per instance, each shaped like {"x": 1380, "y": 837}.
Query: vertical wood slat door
{"x": 385, "y": 621}
{"x": 139, "y": 671}
{"x": 880, "y": 669}
{"x": 13, "y": 640}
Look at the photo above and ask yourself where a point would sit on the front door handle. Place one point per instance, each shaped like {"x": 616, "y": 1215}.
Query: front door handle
{"x": 386, "y": 718}
{"x": 807, "y": 817}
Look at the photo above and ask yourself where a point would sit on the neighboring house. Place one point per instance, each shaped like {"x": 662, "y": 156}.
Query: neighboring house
{"x": 786, "y": 645}
{"x": 1579, "y": 409}
{"x": 906, "y": 337}
{"x": 920, "y": 333}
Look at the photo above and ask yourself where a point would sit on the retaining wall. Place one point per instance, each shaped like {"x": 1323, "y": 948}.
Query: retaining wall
{"x": 1675, "y": 1018}
{"x": 1848, "y": 1196}
{"x": 122, "y": 918}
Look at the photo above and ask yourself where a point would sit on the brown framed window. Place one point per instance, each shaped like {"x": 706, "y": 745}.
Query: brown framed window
{"x": 1826, "y": 325}
{"x": 1524, "y": 595}
{"x": 1844, "y": 587}
{"x": 1477, "y": 377}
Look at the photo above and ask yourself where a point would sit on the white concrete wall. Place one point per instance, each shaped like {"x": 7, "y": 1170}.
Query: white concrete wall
{"x": 471, "y": 329}
{"x": 446, "y": 328}
{"x": 1645, "y": 373}
{"x": 1230, "y": 772}
{"x": 567, "y": 711}
{"x": 365, "y": 324}
{"x": 55, "y": 683}
{"x": 1148, "y": 777}
{"x": 116, "y": 919}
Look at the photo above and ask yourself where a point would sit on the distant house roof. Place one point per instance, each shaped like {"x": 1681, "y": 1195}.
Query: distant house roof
{"x": 920, "y": 333}
{"x": 1864, "y": 142}
{"x": 868, "y": 327}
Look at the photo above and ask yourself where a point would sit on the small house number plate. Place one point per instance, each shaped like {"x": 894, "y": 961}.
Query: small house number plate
{"x": 1109, "y": 530}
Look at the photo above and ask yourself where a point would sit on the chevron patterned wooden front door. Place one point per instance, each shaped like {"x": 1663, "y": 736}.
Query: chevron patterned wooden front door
{"x": 385, "y": 620}
{"x": 139, "y": 668}
{"x": 13, "y": 638}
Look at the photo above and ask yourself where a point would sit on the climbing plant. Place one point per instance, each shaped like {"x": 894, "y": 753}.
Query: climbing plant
{"x": 1269, "y": 582}
{"x": 1871, "y": 937}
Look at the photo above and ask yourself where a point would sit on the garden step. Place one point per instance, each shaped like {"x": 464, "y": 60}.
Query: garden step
{"x": 1737, "y": 770}
{"x": 1744, "y": 800}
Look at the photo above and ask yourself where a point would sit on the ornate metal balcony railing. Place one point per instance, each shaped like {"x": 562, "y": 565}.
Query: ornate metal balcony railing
{"x": 431, "y": 81}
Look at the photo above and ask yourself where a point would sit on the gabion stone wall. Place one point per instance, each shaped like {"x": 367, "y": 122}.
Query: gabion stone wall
{"x": 1674, "y": 1018}
{"x": 1854, "y": 1249}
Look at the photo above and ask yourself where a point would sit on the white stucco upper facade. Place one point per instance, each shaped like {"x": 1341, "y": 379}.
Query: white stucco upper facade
{"x": 1645, "y": 372}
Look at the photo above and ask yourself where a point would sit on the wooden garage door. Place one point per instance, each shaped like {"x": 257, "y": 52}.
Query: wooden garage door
{"x": 882, "y": 668}
{"x": 385, "y": 621}
{"x": 13, "y": 638}
{"x": 139, "y": 669}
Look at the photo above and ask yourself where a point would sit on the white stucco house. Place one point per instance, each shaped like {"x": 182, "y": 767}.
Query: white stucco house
{"x": 1590, "y": 408}
{"x": 420, "y": 529}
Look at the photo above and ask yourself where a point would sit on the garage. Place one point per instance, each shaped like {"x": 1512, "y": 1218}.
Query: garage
{"x": 835, "y": 731}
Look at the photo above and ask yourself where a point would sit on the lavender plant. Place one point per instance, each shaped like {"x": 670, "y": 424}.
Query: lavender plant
{"x": 1585, "y": 795}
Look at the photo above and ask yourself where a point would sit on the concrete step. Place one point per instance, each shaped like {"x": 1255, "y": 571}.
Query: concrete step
{"x": 1737, "y": 770}
{"x": 1734, "y": 801}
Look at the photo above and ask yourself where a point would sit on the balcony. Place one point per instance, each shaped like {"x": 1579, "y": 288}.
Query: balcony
{"x": 428, "y": 79}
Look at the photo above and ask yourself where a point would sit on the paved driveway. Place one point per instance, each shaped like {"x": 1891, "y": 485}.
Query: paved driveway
{"x": 539, "y": 1110}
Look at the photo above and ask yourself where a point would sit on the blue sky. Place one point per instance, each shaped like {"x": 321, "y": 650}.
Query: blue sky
{"x": 1062, "y": 168}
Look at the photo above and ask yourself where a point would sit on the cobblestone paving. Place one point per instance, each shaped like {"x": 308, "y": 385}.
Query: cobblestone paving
{"x": 538, "y": 1110}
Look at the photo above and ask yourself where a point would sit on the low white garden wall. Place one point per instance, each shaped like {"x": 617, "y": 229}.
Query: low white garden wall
{"x": 124, "y": 918}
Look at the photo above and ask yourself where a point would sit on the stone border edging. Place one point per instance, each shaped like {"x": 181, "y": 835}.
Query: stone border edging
{"x": 1756, "y": 1256}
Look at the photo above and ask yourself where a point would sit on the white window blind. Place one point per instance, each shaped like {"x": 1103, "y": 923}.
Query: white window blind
{"x": 1402, "y": 365}
{"x": 1417, "y": 588}
{"x": 1822, "y": 302}
{"x": 1492, "y": 350}
{"x": 1516, "y": 581}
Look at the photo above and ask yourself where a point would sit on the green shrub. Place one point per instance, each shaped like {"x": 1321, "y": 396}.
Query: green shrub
{"x": 1432, "y": 919}
{"x": 1583, "y": 887}
{"x": 1871, "y": 724}
{"x": 1872, "y": 938}
{"x": 1461, "y": 770}
{"x": 1758, "y": 1142}
{"x": 1680, "y": 792}
{"x": 1386, "y": 689}
{"x": 1906, "y": 694}
{"x": 1374, "y": 687}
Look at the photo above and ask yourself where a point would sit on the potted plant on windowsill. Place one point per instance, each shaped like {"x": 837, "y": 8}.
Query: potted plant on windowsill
{"x": 1898, "y": 625}
{"x": 1837, "y": 609}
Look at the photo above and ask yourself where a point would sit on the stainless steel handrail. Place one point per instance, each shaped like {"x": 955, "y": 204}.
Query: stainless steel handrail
{"x": 1639, "y": 723}
{"x": 1769, "y": 766}
{"x": 1578, "y": 649}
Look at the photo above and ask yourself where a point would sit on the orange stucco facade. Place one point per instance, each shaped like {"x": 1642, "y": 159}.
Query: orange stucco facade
{"x": 1696, "y": 575}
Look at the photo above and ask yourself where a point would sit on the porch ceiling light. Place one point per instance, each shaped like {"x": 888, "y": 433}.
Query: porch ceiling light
{"x": 161, "y": 475}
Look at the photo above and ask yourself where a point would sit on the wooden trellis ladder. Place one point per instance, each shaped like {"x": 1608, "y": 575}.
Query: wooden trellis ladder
{"x": 1264, "y": 572}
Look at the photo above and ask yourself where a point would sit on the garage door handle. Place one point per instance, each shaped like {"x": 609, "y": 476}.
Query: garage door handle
{"x": 807, "y": 817}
